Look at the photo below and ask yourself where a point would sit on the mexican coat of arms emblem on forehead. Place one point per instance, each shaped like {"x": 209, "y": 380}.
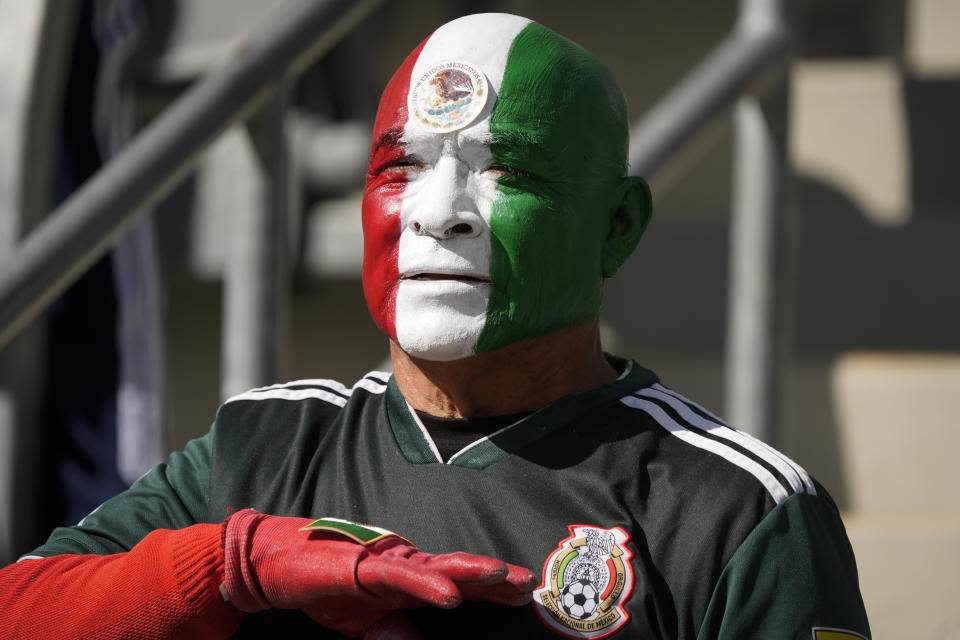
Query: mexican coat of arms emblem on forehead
{"x": 448, "y": 96}
{"x": 586, "y": 582}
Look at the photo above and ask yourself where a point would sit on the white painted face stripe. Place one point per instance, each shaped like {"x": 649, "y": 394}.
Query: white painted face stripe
{"x": 453, "y": 185}
{"x": 758, "y": 471}
{"x": 762, "y": 449}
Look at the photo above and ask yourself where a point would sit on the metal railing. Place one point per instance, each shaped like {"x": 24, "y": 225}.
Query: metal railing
{"x": 759, "y": 38}
{"x": 84, "y": 227}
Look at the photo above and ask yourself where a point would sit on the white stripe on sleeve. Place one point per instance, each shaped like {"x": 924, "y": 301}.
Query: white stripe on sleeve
{"x": 761, "y": 473}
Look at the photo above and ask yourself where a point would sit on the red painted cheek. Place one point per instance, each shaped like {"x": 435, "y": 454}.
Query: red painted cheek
{"x": 381, "y": 246}
{"x": 382, "y": 199}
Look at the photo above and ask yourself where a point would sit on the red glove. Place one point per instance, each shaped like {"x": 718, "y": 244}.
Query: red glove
{"x": 349, "y": 586}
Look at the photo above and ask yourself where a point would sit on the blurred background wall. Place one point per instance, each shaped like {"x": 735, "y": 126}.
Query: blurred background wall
{"x": 871, "y": 341}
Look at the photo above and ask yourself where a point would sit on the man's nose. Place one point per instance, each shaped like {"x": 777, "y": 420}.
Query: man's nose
{"x": 445, "y": 209}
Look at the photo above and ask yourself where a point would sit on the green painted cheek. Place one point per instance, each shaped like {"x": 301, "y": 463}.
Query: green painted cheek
{"x": 544, "y": 279}
{"x": 560, "y": 122}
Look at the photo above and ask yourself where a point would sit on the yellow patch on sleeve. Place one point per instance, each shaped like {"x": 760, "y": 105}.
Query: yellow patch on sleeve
{"x": 822, "y": 633}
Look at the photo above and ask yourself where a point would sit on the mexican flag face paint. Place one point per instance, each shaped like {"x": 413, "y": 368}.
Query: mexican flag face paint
{"x": 497, "y": 163}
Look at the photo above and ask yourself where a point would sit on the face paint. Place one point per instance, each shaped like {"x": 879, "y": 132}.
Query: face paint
{"x": 386, "y": 183}
{"x": 491, "y": 230}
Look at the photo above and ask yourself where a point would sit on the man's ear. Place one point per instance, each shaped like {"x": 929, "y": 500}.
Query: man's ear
{"x": 627, "y": 224}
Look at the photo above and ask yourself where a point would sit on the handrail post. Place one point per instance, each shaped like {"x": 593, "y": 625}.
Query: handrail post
{"x": 256, "y": 275}
{"x": 759, "y": 39}
{"x": 756, "y": 283}
{"x": 33, "y": 84}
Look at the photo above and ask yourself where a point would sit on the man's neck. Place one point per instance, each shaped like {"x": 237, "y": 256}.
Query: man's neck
{"x": 520, "y": 377}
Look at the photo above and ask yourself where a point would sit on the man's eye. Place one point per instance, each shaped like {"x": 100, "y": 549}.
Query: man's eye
{"x": 504, "y": 170}
{"x": 406, "y": 163}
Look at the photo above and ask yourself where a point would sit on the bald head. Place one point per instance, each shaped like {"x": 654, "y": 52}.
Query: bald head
{"x": 547, "y": 93}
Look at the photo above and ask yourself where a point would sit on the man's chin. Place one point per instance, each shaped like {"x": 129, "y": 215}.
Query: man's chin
{"x": 440, "y": 321}
{"x": 437, "y": 348}
{"x": 439, "y": 333}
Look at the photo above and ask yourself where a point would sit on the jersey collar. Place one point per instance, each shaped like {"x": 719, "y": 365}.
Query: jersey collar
{"x": 417, "y": 447}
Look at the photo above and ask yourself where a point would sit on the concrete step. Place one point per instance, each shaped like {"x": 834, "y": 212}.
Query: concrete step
{"x": 899, "y": 422}
{"x": 909, "y": 567}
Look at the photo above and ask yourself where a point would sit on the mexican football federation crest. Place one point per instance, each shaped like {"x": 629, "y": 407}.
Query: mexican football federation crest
{"x": 586, "y": 581}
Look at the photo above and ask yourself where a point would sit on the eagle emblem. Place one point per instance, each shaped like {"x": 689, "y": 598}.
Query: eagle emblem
{"x": 448, "y": 96}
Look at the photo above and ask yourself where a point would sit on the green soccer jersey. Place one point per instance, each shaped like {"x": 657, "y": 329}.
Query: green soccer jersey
{"x": 645, "y": 516}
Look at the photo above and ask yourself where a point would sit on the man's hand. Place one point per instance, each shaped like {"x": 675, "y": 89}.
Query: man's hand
{"x": 348, "y": 586}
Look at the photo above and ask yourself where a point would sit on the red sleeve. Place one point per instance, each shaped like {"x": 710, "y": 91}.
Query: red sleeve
{"x": 167, "y": 586}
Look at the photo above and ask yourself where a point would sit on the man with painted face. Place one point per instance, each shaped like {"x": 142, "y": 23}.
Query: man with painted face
{"x": 496, "y": 203}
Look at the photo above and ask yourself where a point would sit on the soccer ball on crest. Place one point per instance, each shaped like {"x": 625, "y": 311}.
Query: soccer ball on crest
{"x": 579, "y": 599}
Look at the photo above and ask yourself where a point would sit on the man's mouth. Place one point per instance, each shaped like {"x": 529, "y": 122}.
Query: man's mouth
{"x": 447, "y": 276}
